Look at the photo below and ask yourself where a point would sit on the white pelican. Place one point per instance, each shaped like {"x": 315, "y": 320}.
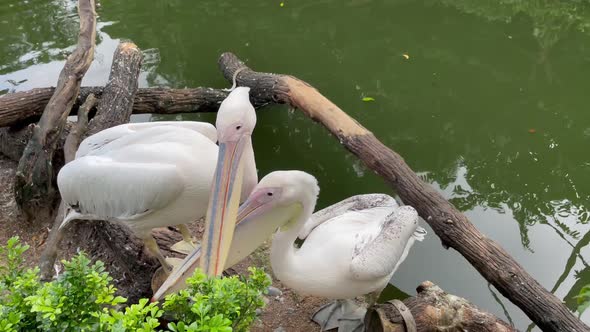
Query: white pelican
{"x": 157, "y": 174}
{"x": 343, "y": 256}
{"x": 351, "y": 248}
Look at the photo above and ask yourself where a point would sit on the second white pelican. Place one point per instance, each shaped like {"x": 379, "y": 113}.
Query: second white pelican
{"x": 351, "y": 248}
{"x": 346, "y": 255}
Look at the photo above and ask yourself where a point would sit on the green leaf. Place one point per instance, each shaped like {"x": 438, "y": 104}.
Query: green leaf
{"x": 583, "y": 299}
{"x": 83, "y": 299}
{"x": 368, "y": 99}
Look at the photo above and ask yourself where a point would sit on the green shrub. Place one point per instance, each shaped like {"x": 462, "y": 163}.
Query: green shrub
{"x": 218, "y": 304}
{"x": 16, "y": 285}
{"x": 83, "y": 299}
{"x": 583, "y": 299}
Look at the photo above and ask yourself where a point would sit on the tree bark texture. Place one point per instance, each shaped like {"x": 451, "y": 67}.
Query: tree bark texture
{"x": 35, "y": 176}
{"x": 25, "y": 107}
{"x": 13, "y": 141}
{"x": 73, "y": 139}
{"x": 434, "y": 311}
{"x": 116, "y": 103}
{"x": 453, "y": 227}
{"x": 79, "y": 130}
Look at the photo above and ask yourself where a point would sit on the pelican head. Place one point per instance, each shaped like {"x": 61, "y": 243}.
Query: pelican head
{"x": 236, "y": 117}
{"x": 278, "y": 192}
{"x": 235, "y": 123}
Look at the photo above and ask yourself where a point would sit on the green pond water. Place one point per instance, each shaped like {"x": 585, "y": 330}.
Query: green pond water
{"x": 486, "y": 100}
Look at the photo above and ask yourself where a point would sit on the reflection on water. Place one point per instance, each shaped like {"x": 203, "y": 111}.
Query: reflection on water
{"x": 41, "y": 31}
{"x": 490, "y": 106}
{"x": 550, "y": 20}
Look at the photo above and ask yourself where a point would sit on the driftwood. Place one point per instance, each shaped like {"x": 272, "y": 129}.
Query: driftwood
{"x": 34, "y": 177}
{"x": 71, "y": 144}
{"x": 116, "y": 103}
{"x": 19, "y": 108}
{"x": 434, "y": 310}
{"x": 452, "y": 227}
{"x": 79, "y": 130}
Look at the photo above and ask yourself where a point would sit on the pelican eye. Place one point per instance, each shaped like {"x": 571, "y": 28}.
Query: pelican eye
{"x": 238, "y": 127}
{"x": 268, "y": 194}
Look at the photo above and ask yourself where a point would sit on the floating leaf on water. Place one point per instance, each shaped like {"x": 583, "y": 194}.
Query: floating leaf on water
{"x": 532, "y": 131}
{"x": 366, "y": 99}
{"x": 282, "y": 4}
{"x": 406, "y": 56}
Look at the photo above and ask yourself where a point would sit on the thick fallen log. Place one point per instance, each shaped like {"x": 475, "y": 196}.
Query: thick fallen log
{"x": 25, "y": 107}
{"x": 35, "y": 176}
{"x": 452, "y": 227}
{"x": 433, "y": 310}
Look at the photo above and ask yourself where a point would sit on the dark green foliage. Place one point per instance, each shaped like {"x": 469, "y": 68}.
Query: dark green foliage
{"x": 83, "y": 299}
{"x": 583, "y": 299}
{"x": 16, "y": 284}
{"x": 218, "y": 304}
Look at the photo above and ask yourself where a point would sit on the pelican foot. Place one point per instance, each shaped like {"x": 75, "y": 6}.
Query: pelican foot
{"x": 158, "y": 279}
{"x": 183, "y": 247}
{"x": 162, "y": 274}
{"x": 174, "y": 262}
{"x": 351, "y": 324}
{"x": 344, "y": 315}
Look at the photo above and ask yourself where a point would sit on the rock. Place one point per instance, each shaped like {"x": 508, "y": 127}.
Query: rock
{"x": 290, "y": 311}
{"x": 280, "y": 329}
{"x": 273, "y": 291}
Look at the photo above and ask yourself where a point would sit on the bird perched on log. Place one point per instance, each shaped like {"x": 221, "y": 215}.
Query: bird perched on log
{"x": 351, "y": 248}
{"x": 157, "y": 174}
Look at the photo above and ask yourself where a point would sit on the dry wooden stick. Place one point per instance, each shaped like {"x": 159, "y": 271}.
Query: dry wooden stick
{"x": 79, "y": 130}
{"x": 35, "y": 176}
{"x": 453, "y": 227}
{"x": 73, "y": 140}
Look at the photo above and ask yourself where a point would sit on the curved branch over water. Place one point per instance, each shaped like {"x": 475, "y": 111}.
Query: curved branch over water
{"x": 453, "y": 228}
